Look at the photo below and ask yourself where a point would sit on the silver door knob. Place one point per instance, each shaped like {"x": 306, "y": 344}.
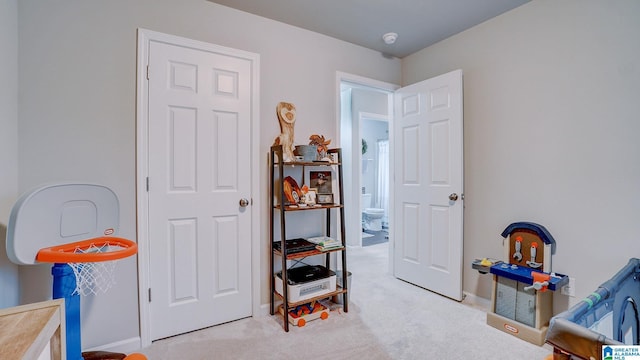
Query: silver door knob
{"x": 244, "y": 202}
{"x": 453, "y": 197}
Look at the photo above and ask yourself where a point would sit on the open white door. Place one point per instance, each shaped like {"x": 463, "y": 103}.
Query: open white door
{"x": 428, "y": 160}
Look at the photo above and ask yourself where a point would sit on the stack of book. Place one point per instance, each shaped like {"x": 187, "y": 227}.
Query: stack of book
{"x": 294, "y": 246}
{"x": 325, "y": 243}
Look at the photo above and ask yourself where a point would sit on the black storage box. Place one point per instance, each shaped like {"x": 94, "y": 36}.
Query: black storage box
{"x": 304, "y": 274}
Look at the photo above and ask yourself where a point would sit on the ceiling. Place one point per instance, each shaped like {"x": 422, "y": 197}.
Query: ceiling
{"x": 418, "y": 23}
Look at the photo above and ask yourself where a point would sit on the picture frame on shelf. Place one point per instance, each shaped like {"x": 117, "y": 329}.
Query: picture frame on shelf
{"x": 321, "y": 181}
{"x": 325, "y": 198}
{"x": 310, "y": 198}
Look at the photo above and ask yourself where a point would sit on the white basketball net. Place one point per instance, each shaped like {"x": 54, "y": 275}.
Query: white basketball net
{"x": 94, "y": 277}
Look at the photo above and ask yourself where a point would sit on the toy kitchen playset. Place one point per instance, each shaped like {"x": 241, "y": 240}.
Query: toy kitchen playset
{"x": 521, "y": 304}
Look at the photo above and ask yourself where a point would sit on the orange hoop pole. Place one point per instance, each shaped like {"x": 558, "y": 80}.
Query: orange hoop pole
{"x": 66, "y": 253}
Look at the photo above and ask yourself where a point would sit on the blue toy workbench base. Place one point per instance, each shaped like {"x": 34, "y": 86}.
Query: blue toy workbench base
{"x": 523, "y": 275}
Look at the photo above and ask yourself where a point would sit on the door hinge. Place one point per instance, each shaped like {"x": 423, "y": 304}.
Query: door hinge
{"x": 147, "y": 72}
{"x": 149, "y": 294}
{"x": 147, "y": 180}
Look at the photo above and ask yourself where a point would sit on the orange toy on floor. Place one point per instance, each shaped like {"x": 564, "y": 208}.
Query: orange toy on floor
{"x": 307, "y": 312}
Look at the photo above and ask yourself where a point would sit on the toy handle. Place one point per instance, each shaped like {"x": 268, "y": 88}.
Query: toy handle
{"x": 537, "y": 285}
{"x": 518, "y": 245}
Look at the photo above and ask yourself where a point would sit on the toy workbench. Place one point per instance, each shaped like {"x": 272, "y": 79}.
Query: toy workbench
{"x": 521, "y": 304}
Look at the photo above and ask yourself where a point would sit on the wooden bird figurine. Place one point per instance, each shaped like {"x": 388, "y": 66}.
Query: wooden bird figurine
{"x": 287, "y": 117}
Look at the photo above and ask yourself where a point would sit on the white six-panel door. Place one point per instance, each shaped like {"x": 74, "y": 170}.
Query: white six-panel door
{"x": 428, "y": 176}
{"x": 199, "y": 170}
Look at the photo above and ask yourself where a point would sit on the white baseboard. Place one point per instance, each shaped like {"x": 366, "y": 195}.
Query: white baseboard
{"x": 134, "y": 344}
{"x": 476, "y": 301}
{"x": 130, "y": 345}
{"x": 264, "y": 310}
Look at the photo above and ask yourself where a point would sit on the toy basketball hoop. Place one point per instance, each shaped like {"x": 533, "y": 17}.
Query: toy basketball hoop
{"x": 72, "y": 226}
{"x": 93, "y": 261}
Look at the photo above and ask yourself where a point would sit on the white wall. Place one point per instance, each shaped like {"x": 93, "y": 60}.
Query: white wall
{"x": 551, "y": 108}
{"x": 77, "y": 107}
{"x": 9, "y": 295}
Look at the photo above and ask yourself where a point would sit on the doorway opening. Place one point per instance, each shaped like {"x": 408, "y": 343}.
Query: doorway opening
{"x": 365, "y": 118}
{"x": 425, "y": 139}
{"x": 374, "y": 178}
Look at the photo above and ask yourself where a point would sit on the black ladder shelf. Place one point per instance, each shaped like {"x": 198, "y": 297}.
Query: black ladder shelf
{"x": 277, "y": 195}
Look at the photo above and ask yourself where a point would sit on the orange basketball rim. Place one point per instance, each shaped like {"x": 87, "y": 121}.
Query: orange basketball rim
{"x": 81, "y": 251}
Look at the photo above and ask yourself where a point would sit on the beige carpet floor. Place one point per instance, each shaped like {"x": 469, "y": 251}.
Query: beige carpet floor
{"x": 387, "y": 319}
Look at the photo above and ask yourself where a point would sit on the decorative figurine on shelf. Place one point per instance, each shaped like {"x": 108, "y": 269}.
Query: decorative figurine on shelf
{"x": 287, "y": 117}
{"x": 292, "y": 191}
{"x": 321, "y": 144}
{"x": 309, "y": 195}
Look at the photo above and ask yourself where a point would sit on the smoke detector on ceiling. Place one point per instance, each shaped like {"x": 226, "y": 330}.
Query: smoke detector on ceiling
{"x": 390, "y": 38}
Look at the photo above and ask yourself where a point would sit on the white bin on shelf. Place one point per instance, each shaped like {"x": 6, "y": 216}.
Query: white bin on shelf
{"x": 338, "y": 298}
{"x": 307, "y": 282}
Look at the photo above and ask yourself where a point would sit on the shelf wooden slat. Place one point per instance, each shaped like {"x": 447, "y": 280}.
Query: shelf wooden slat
{"x": 304, "y": 254}
{"x": 305, "y": 208}
{"x": 308, "y": 163}
{"x": 339, "y": 290}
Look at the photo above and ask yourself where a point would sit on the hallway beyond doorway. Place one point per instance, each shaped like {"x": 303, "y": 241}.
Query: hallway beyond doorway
{"x": 370, "y": 237}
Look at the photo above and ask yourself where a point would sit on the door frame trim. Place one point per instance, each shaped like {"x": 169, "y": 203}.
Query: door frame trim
{"x": 144, "y": 38}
